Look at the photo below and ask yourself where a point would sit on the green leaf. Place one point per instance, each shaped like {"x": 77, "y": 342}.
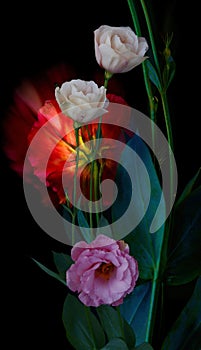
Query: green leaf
{"x": 186, "y": 331}
{"x": 115, "y": 344}
{"x": 62, "y": 262}
{"x": 84, "y": 226}
{"x": 184, "y": 259}
{"x": 103, "y": 222}
{"x": 135, "y": 309}
{"x": 153, "y": 76}
{"x": 129, "y": 335}
{"x": 81, "y": 219}
{"x": 83, "y": 329}
{"x": 114, "y": 325}
{"x": 144, "y": 346}
{"x": 66, "y": 213}
{"x": 189, "y": 187}
{"x": 145, "y": 247}
{"x": 50, "y": 272}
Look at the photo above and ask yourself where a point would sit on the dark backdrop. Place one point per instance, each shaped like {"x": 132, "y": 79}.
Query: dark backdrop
{"x": 34, "y": 36}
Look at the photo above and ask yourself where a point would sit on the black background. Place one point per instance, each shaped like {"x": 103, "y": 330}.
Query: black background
{"x": 34, "y": 36}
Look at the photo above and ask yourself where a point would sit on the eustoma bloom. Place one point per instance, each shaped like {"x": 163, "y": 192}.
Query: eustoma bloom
{"x": 103, "y": 272}
{"x": 118, "y": 49}
{"x": 81, "y": 100}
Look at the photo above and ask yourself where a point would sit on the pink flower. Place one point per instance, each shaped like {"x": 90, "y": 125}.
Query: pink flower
{"x": 103, "y": 272}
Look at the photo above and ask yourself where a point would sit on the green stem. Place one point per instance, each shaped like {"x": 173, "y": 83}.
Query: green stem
{"x": 99, "y": 183}
{"x": 107, "y": 77}
{"x": 151, "y": 99}
{"x": 75, "y": 184}
{"x": 167, "y": 118}
{"x": 162, "y": 93}
{"x": 169, "y": 137}
{"x": 138, "y": 32}
{"x": 156, "y": 283}
{"x": 152, "y": 309}
{"x": 149, "y": 27}
{"x": 94, "y": 185}
{"x": 145, "y": 73}
{"x": 94, "y": 174}
{"x": 91, "y": 198}
{"x": 96, "y": 189}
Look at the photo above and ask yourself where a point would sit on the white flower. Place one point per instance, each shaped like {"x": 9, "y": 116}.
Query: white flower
{"x": 81, "y": 100}
{"x": 118, "y": 49}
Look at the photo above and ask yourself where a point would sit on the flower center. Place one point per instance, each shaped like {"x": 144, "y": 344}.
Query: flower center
{"x": 105, "y": 270}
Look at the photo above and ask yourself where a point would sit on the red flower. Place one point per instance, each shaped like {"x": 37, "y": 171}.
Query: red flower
{"x": 57, "y": 144}
{"x": 22, "y": 114}
{"x": 53, "y": 159}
